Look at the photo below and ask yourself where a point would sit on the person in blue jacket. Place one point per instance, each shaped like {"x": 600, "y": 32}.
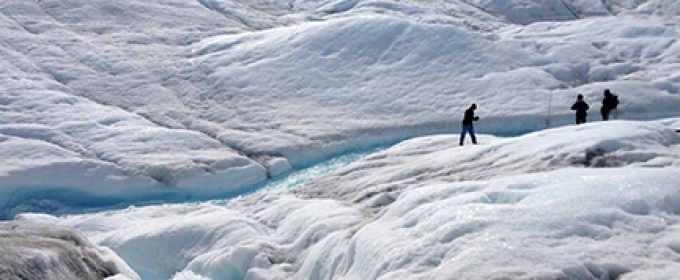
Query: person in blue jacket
{"x": 581, "y": 108}
{"x": 467, "y": 124}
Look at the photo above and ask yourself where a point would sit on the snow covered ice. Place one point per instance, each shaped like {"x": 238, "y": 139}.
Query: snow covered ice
{"x": 135, "y": 122}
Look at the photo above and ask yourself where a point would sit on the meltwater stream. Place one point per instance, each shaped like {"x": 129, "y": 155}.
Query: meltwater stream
{"x": 67, "y": 201}
{"x": 297, "y": 177}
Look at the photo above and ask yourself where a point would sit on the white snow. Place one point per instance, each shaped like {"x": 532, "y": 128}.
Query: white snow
{"x": 172, "y": 105}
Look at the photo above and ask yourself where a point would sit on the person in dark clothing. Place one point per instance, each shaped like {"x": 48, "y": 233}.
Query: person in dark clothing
{"x": 581, "y": 108}
{"x": 467, "y": 124}
{"x": 609, "y": 103}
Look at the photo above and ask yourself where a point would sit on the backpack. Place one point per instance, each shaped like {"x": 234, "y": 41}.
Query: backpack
{"x": 615, "y": 101}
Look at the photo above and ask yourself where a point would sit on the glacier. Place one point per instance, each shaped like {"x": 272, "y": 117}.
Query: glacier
{"x": 132, "y": 121}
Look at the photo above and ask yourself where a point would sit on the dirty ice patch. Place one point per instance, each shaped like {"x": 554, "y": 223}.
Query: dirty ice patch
{"x": 39, "y": 250}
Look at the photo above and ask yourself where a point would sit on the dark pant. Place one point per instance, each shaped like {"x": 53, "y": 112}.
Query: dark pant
{"x": 471, "y": 130}
{"x": 605, "y": 113}
{"x": 580, "y": 118}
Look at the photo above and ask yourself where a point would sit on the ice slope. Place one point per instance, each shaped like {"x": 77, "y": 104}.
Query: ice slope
{"x": 30, "y": 250}
{"x": 210, "y": 96}
{"x": 604, "y": 204}
{"x": 398, "y": 73}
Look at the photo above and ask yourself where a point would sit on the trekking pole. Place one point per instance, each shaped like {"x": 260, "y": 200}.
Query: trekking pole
{"x": 547, "y": 117}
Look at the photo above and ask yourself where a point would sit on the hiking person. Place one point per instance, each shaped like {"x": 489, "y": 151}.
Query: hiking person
{"x": 609, "y": 103}
{"x": 467, "y": 124}
{"x": 581, "y": 108}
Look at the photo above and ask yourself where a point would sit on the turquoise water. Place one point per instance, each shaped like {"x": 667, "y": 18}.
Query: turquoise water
{"x": 69, "y": 201}
{"x": 295, "y": 178}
